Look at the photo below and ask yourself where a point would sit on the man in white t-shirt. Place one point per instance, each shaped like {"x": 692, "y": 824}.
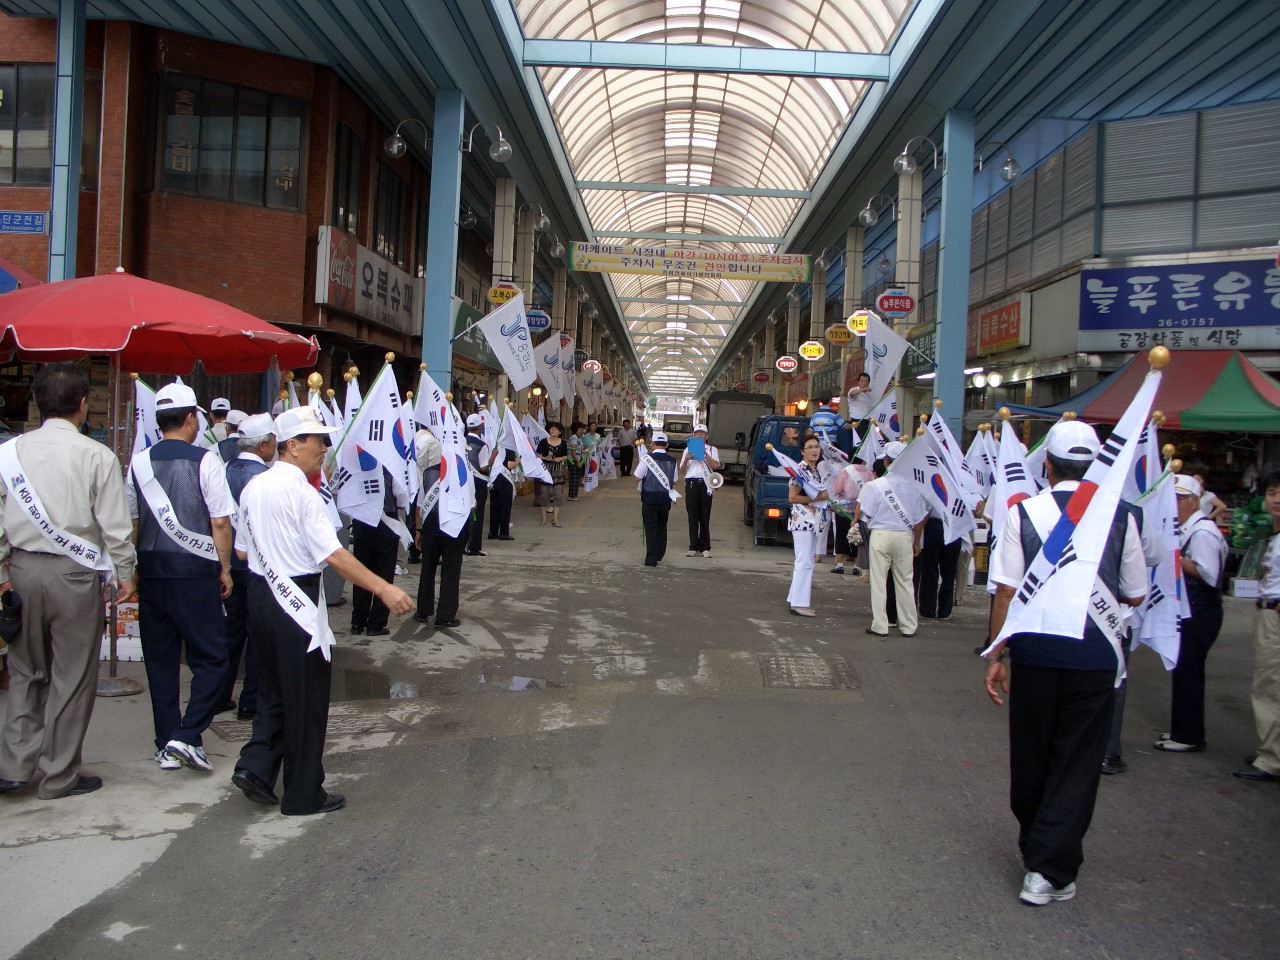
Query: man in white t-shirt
{"x": 861, "y": 402}
{"x": 697, "y": 495}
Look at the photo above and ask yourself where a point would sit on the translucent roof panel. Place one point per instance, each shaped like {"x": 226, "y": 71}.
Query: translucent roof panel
{"x": 649, "y": 128}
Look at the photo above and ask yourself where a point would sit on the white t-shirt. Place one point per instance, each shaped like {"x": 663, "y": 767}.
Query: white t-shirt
{"x": 860, "y": 407}
{"x": 291, "y": 523}
{"x": 213, "y": 487}
{"x": 696, "y": 469}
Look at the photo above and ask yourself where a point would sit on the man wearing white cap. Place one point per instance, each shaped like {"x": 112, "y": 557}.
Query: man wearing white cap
{"x": 286, "y": 535}
{"x": 657, "y": 475}
{"x": 1062, "y": 688}
{"x": 697, "y": 495}
{"x": 179, "y": 497}
{"x": 481, "y": 458}
{"x": 229, "y": 449}
{"x": 1203, "y": 551}
{"x": 257, "y": 445}
{"x": 218, "y": 429}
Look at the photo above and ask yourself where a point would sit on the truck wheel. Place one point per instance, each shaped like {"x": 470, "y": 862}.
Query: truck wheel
{"x": 748, "y": 515}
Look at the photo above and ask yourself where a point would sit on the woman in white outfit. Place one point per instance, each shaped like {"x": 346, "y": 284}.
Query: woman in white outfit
{"x": 810, "y": 513}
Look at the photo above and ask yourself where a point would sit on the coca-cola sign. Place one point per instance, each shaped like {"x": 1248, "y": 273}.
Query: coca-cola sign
{"x": 357, "y": 281}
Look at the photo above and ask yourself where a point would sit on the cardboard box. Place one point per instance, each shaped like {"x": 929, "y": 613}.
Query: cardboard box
{"x": 1248, "y": 589}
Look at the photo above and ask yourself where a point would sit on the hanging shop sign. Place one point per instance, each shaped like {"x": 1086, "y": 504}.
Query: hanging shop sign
{"x": 761, "y": 377}
{"x": 502, "y": 293}
{"x": 658, "y": 261}
{"x": 812, "y": 350}
{"x": 741, "y": 386}
{"x": 1227, "y": 304}
{"x": 591, "y": 366}
{"x": 857, "y": 322}
{"x": 538, "y": 320}
{"x": 1003, "y": 328}
{"x": 924, "y": 337}
{"x": 787, "y": 364}
{"x": 355, "y": 280}
{"x": 838, "y": 334}
{"x": 895, "y": 303}
{"x": 469, "y": 341}
{"x": 825, "y": 379}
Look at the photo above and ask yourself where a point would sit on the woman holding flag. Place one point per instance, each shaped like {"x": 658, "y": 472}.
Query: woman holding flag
{"x": 810, "y": 514}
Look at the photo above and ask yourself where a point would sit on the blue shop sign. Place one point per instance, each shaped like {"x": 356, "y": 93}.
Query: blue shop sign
{"x": 1185, "y": 306}
{"x": 21, "y": 221}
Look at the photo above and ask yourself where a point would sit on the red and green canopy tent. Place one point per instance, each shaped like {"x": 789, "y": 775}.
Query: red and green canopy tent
{"x": 1200, "y": 390}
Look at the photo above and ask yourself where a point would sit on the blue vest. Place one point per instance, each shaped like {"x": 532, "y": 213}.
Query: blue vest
{"x": 239, "y": 473}
{"x": 177, "y": 468}
{"x": 1092, "y": 651}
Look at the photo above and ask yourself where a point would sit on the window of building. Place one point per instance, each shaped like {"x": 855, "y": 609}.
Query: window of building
{"x": 390, "y": 214}
{"x": 348, "y": 149}
{"x": 226, "y": 142}
{"x": 26, "y": 124}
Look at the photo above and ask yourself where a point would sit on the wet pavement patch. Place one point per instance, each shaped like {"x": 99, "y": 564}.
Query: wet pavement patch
{"x": 502, "y": 681}
{"x": 807, "y": 673}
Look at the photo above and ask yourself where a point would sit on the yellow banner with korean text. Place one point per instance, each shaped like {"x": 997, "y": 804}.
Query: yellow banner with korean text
{"x": 657, "y": 261}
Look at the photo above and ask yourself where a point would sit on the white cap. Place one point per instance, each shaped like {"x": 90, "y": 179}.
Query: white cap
{"x": 258, "y": 426}
{"x": 475, "y": 420}
{"x": 236, "y": 417}
{"x": 298, "y": 422}
{"x": 660, "y": 437}
{"x": 219, "y": 405}
{"x": 176, "y": 396}
{"x": 1072, "y": 440}
{"x": 699, "y": 428}
{"x": 426, "y": 449}
{"x": 893, "y": 449}
{"x": 1187, "y": 486}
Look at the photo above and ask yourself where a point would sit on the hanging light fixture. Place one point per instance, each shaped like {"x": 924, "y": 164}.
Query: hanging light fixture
{"x": 904, "y": 163}
{"x": 994, "y": 379}
{"x": 1010, "y": 169}
{"x": 499, "y": 149}
{"x": 541, "y": 223}
{"x": 469, "y": 220}
{"x": 396, "y": 146}
{"x": 869, "y": 215}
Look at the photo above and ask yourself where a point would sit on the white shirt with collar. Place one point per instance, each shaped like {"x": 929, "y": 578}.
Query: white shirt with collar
{"x": 1203, "y": 545}
{"x": 291, "y": 523}
{"x": 698, "y": 469}
{"x": 1269, "y": 586}
{"x": 880, "y": 514}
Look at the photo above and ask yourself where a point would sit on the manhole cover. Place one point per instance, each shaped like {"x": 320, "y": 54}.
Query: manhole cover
{"x": 808, "y": 673}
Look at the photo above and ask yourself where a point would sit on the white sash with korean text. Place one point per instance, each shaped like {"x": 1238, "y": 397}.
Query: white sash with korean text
{"x": 300, "y": 608}
{"x": 162, "y": 509}
{"x": 428, "y": 497}
{"x": 658, "y": 473}
{"x": 69, "y": 545}
{"x": 891, "y": 501}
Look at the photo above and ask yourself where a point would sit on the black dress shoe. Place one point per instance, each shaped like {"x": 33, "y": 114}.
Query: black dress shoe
{"x": 506, "y": 538}
{"x": 875, "y": 634}
{"x": 246, "y": 714}
{"x": 493, "y": 536}
{"x": 377, "y": 632}
{"x": 332, "y": 802}
{"x": 423, "y": 617}
{"x": 356, "y": 631}
{"x": 8, "y": 786}
{"x": 448, "y": 623}
{"x": 225, "y": 707}
{"x": 1258, "y": 776}
{"x": 82, "y": 786}
{"x": 251, "y": 786}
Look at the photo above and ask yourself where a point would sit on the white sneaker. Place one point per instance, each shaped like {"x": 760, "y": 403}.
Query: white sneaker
{"x": 707, "y": 554}
{"x": 1037, "y": 891}
{"x": 192, "y": 756}
{"x": 691, "y": 553}
{"x": 167, "y": 760}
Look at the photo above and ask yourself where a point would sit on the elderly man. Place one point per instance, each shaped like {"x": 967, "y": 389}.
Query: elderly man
{"x": 257, "y": 444}
{"x": 697, "y": 495}
{"x": 626, "y": 440}
{"x": 179, "y": 497}
{"x": 895, "y": 513}
{"x": 64, "y": 522}
{"x": 1264, "y": 766}
{"x": 287, "y": 537}
{"x": 657, "y": 475}
{"x": 1062, "y": 688}
{"x": 439, "y": 550}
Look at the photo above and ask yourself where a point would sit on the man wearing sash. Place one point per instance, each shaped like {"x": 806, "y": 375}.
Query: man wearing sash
{"x": 895, "y": 514}
{"x": 481, "y": 459}
{"x": 256, "y": 444}
{"x": 439, "y": 550}
{"x": 1061, "y": 691}
{"x": 502, "y": 494}
{"x": 64, "y": 523}
{"x": 178, "y": 495}
{"x": 286, "y": 534}
{"x": 656, "y": 473}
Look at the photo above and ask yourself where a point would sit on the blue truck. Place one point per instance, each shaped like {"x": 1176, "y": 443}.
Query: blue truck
{"x": 764, "y": 494}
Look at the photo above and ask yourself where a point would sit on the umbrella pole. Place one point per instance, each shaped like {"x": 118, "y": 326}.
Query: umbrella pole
{"x": 113, "y": 685}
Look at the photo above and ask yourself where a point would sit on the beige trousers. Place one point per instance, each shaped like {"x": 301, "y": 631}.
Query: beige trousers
{"x": 53, "y": 663}
{"x": 1266, "y": 688}
{"x": 891, "y": 550}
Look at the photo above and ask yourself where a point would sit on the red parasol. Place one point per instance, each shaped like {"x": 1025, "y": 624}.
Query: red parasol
{"x": 148, "y": 327}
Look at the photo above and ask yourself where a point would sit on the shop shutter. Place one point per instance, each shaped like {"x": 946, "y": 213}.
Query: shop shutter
{"x": 1248, "y": 221}
{"x": 978, "y": 236}
{"x": 1147, "y": 228}
{"x": 997, "y": 228}
{"x": 994, "y": 284}
{"x": 1046, "y": 254}
{"x": 1018, "y": 268}
{"x": 1240, "y": 149}
{"x": 929, "y": 308}
{"x": 1149, "y": 159}
{"x": 929, "y": 269}
{"x": 1080, "y": 191}
{"x": 1048, "y": 205}
{"x": 975, "y": 285}
{"x": 1022, "y": 211}
{"x": 1077, "y": 239}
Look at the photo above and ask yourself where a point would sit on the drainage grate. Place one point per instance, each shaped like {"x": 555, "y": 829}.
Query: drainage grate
{"x": 808, "y": 673}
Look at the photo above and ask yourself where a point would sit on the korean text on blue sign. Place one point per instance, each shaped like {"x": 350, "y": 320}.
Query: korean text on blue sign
{"x": 1199, "y": 306}
{"x": 18, "y": 221}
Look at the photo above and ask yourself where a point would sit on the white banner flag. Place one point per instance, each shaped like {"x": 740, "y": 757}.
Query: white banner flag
{"x": 1159, "y": 619}
{"x": 145, "y": 431}
{"x": 533, "y": 429}
{"x": 885, "y": 350}
{"x": 546, "y": 358}
{"x": 515, "y": 438}
{"x": 568, "y": 383}
{"x": 507, "y": 330}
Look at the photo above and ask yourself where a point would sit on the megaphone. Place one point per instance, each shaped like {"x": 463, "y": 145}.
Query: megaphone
{"x": 715, "y": 480}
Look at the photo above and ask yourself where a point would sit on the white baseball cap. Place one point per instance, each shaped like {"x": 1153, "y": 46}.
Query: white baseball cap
{"x": 1072, "y": 440}
{"x": 893, "y": 449}
{"x": 699, "y": 428}
{"x": 1187, "y": 486}
{"x": 176, "y": 396}
{"x": 660, "y": 438}
{"x": 219, "y": 405}
{"x": 236, "y": 417}
{"x": 298, "y": 422}
{"x": 475, "y": 420}
{"x": 258, "y": 426}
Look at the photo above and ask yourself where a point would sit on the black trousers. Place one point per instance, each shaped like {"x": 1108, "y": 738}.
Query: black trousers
{"x": 475, "y": 530}
{"x": 443, "y": 553}
{"x": 293, "y": 701}
{"x": 173, "y": 614}
{"x": 377, "y": 548}
{"x": 935, "y": 571}
{"x": 1186, "y": 722}
{"x": 1058, "y": 726}
{"x": 697, "y": 503}
{"x": 654, "y": 516}
{"x": 626, "y": 457}
{"x": 237, "y": 607}
{"x": 501, "y": 495}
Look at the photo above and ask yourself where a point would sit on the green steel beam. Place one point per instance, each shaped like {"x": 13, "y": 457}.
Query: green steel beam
{"x": 700, "y": 58}
{"x": 634, "y": 187}
{"x": 703, "y": 237}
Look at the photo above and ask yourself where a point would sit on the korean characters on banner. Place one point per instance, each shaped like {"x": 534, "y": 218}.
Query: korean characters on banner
{"x": 1221, "y": 305}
